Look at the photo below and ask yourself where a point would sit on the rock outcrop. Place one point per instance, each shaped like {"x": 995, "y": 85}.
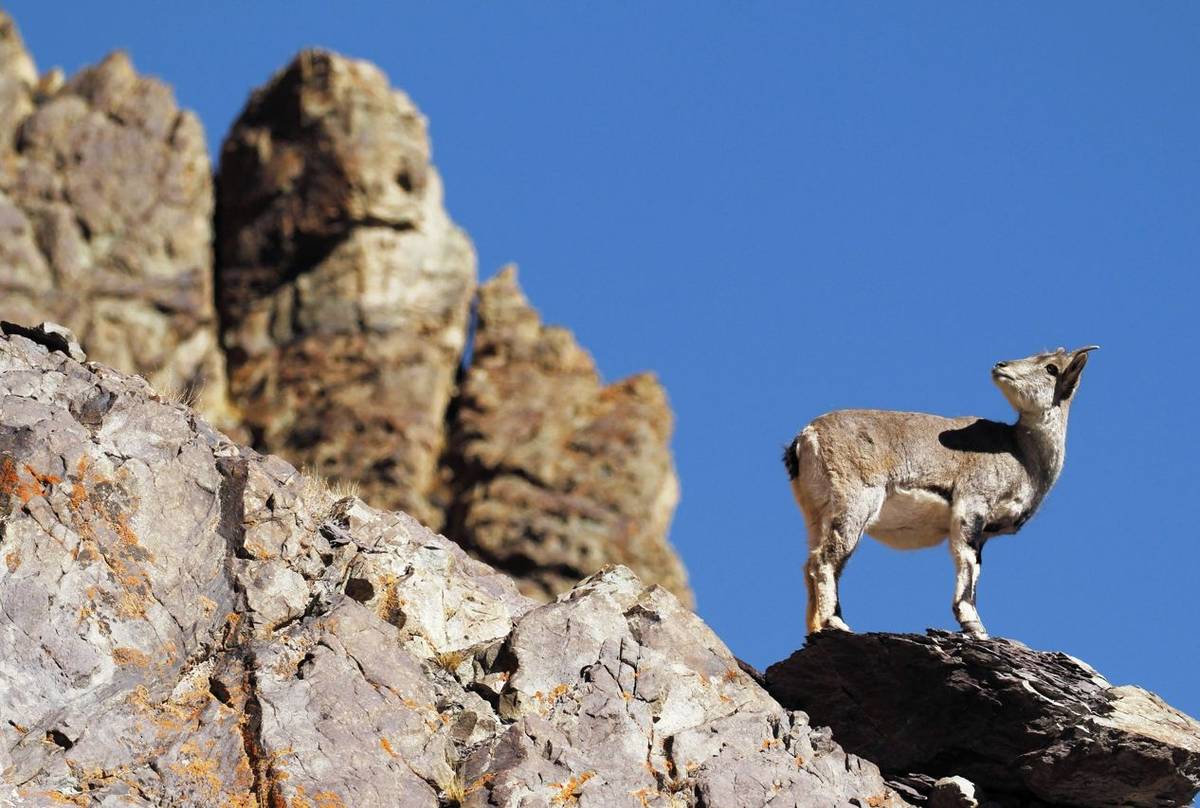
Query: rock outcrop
{"x": 344, "y": 294}
{"x": 554, "y": 474}
{"x": 106, "y": 219}
{"x": 1027, "y": 728}
{"x": 343, "y": 286}
{"x": 190, "y": 623}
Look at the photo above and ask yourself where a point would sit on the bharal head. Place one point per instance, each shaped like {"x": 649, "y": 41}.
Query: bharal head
{"x": 1043, "y": 381}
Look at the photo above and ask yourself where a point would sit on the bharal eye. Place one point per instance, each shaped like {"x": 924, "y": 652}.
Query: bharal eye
{"x": 1052, "y": 370}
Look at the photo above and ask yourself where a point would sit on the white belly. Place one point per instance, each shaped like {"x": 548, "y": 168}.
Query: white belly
{"x": 911, "y": 519}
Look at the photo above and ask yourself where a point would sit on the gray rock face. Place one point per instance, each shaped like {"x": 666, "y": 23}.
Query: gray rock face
{"x": 344, "y": 287}
{"x": 1028, "y": 727}
{"x": 189, "y": 623}
{"x": 106, "y": 219}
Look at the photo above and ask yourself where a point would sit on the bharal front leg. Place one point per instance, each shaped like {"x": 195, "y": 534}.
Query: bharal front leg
{"x": 966, "y": 547}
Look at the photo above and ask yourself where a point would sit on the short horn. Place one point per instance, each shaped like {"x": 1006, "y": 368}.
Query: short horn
{"x": 1088, "y": 348}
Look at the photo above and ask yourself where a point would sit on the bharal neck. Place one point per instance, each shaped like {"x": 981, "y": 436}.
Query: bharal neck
{"x": 1042, "y": 438}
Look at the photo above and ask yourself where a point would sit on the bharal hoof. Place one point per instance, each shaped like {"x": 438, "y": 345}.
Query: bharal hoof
{"x": 975, "y": 630}
{"x": 835, "y": 624}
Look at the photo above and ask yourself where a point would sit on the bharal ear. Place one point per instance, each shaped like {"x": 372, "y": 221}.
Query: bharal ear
{"x": 1068, "y": 379}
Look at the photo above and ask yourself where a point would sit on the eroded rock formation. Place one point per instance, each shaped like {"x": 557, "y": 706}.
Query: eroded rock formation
{"x": 106, "y": 218}
{"x": 344, "y": 287}
{"x": 190, "y": 623}
{"x": 553, "y": 473}
{"x": 1028, "y": 728}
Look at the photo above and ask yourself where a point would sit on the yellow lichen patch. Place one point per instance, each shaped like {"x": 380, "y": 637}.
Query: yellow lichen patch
{"x": 129, "y": 604}
{"x": 450, "y": 660}
{"x": 66, "y": 799}
{"x": 547, "y": 700}
{"x": 123, "y": 655}
{"x": 244, "y": 799}
{"x": 568, "y": 793}
{"x": 644, "y": 795}
{"x": 122, "y": 528}
{"x": 800, "y": 761}
{"x": 327, "y": 799}
{"x": 198, "y": 769}
{"x": 12, "y": 561}
{"x": 299, "y": 800}
{"x": 771, "y": 743}
{"x": 171, "y": 716}
{"x": 880, "y": 801}
{"x": 78, "y": 495}
{"x": 387, "y": 747}
{"x": 731, "y": 675}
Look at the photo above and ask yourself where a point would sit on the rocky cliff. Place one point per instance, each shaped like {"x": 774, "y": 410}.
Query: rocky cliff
{"x": 187, "y": 622}
{"x": 1025, "y": 728}
{"x": 343, "y": 285}
{"x": 330, "y": 326}
{"x": 190, "y": 623}
{"x": 106, "y": 218}
{"x": 552, "y": 473}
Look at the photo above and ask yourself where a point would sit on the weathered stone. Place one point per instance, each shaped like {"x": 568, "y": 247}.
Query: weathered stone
{"x": 639, "y": 699}
{"x": 190, "y": 623}
{"x": 52, "y": 335}
{"x": 555, "y": 475}
{"x": 106, "y": 219}
{"x": 953, "y": 792}
{"x": 1024, "y": 725}
{"x": 343, "y": 286}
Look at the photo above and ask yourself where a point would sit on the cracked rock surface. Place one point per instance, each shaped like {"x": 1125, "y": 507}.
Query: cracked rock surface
{"x": 1028, "y": 727}
{"x": 185, "y": 622}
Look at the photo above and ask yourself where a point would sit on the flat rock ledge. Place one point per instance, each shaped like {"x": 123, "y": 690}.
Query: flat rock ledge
{"x": 185, "y": 622}
{"x": 954, "y": 721}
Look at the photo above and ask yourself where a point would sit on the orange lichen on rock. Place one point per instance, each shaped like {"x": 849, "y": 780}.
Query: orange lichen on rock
{"x": 568, "y": 793}
{"x": 12, "y": 561}
{"x": 11, "y": 482}
{"x": 8, "y": 476}
{"x": 322, "y": 799}
{"x": 124, "y": 655}
{"x": 199, "y": 769}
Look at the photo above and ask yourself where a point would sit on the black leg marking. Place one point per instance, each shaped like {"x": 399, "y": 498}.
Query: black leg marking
{"x": 976, "y": 538}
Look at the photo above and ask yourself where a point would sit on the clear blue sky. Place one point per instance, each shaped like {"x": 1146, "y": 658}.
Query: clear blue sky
{"x": 785, "y": 209}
